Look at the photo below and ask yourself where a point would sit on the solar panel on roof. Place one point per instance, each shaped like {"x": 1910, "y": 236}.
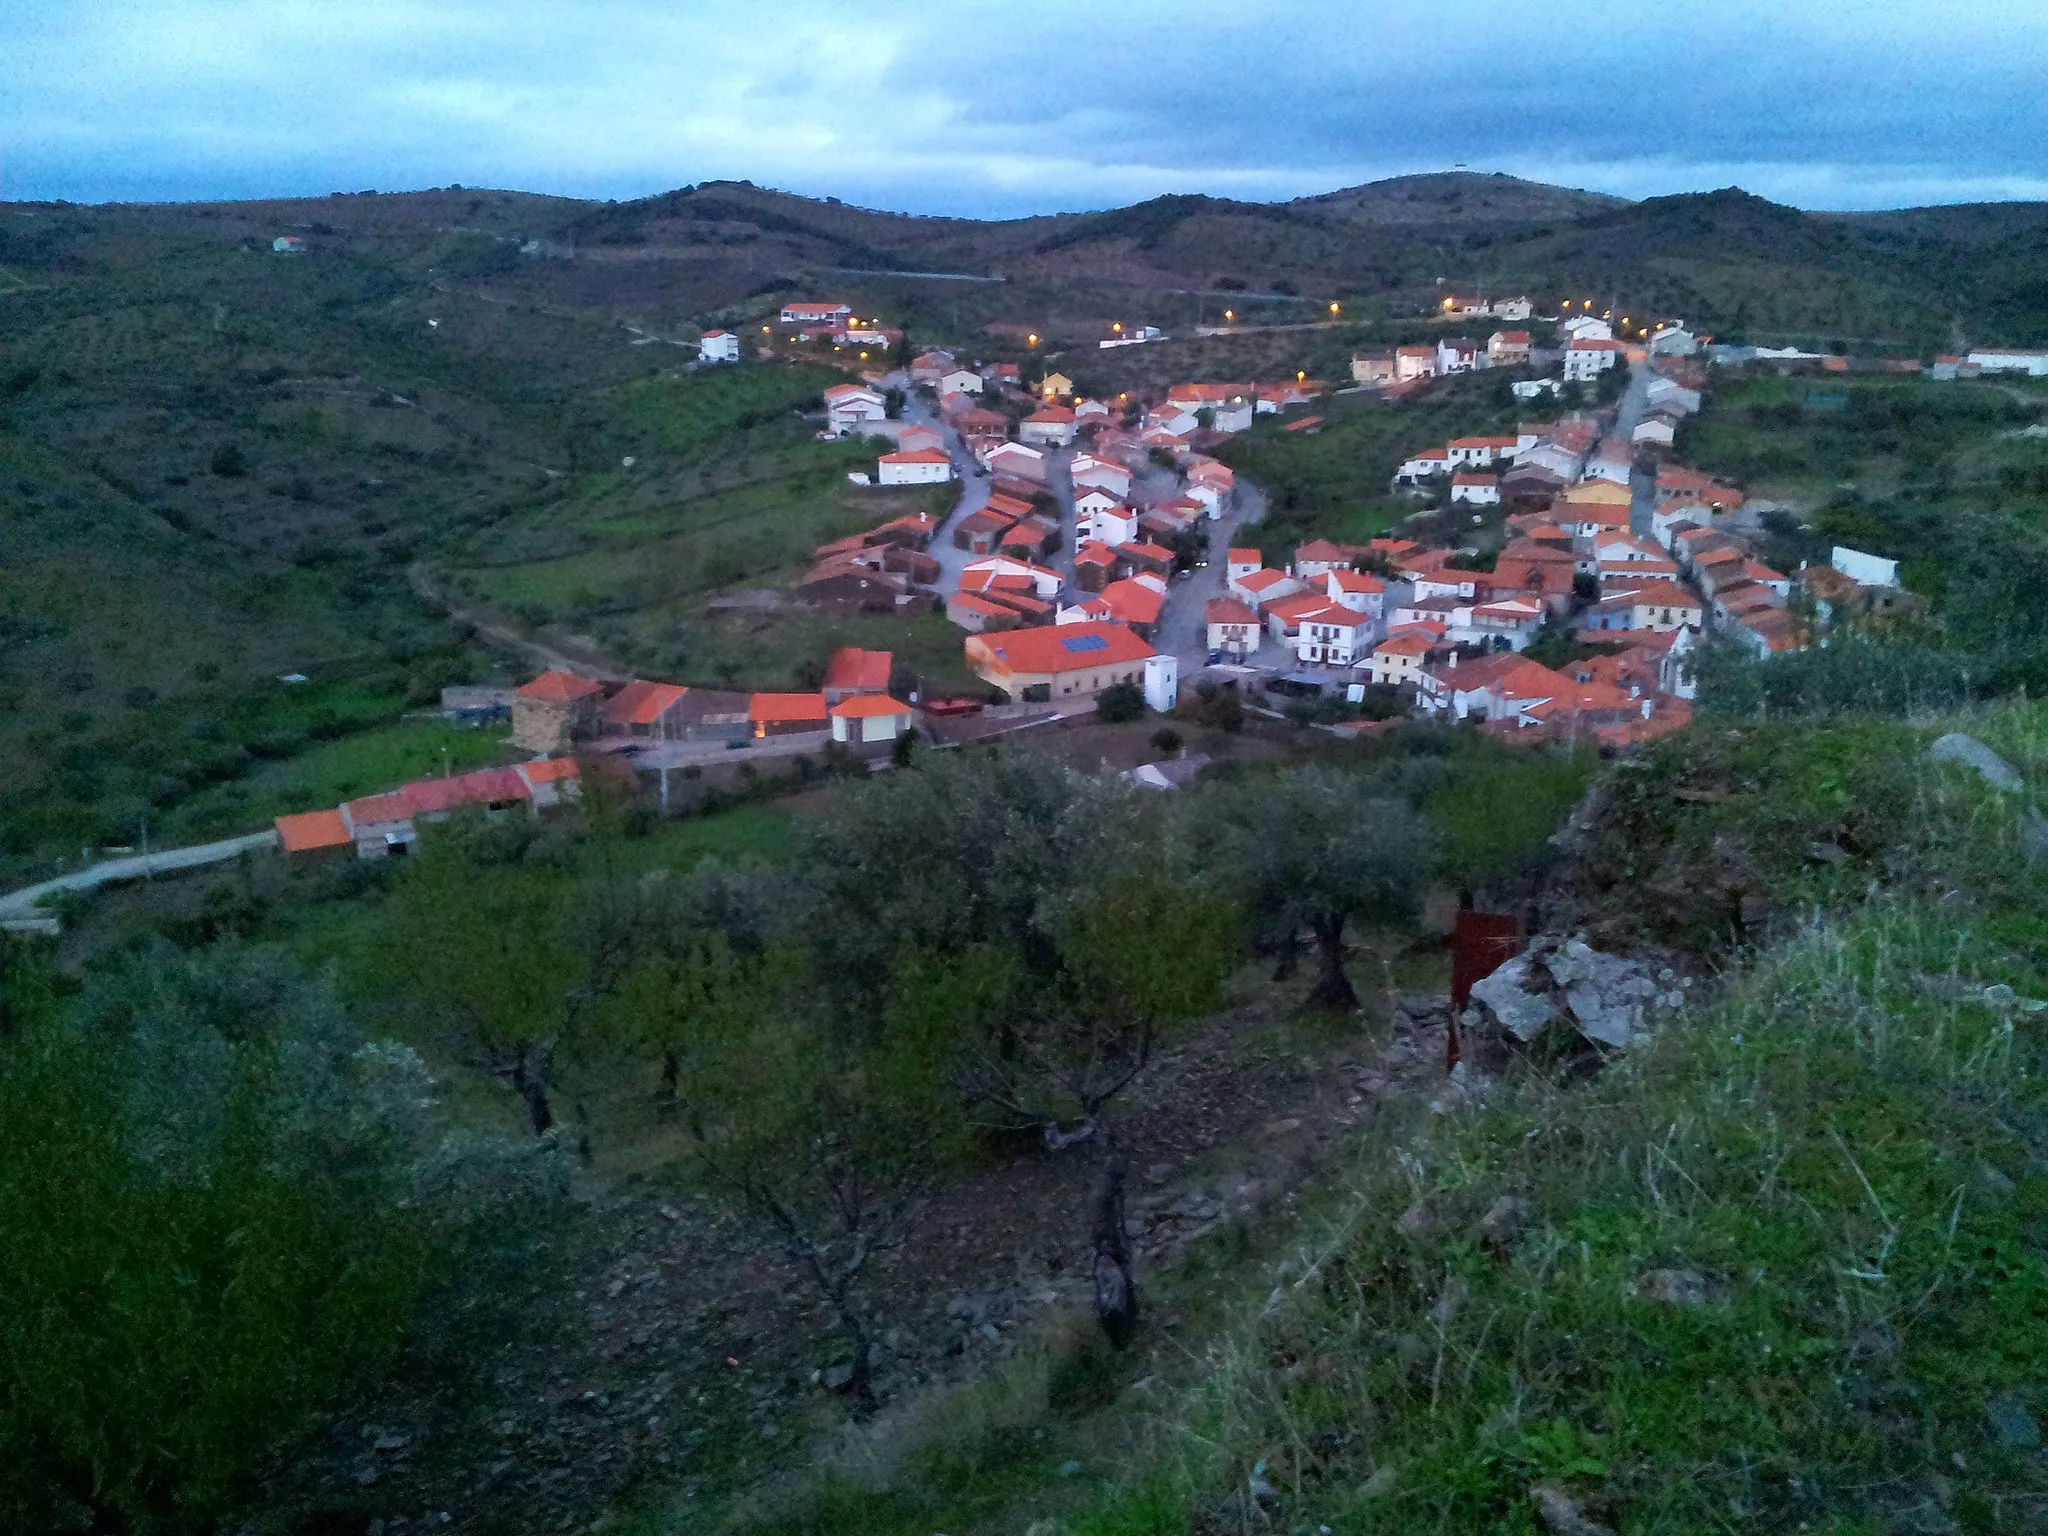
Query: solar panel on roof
{"x": 1080, "y": 643}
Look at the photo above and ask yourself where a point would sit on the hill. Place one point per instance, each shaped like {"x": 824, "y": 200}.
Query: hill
{"x": 222, "y": 466}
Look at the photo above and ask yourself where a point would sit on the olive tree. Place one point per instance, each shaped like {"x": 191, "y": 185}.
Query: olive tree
{"x": 1323, "y": 848}
{"x": 210, "y": 1228}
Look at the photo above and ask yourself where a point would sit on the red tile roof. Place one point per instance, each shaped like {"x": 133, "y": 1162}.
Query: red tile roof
{"x": 1059, "y": 648}
{"x": 642, "y": 703}
{"x": 852, "y": 669}
{"x": 1228, "y": 610}
{"x": 307, "y": 830}
{"x": 485, "y": 786}
{"x": 867, "y": 706}
{"x": 786, "y": 708}
{"x": 373, "y": 809}
{"x": 559, "y": 688}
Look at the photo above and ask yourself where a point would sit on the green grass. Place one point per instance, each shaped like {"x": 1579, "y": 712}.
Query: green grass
{"x": 1800, "y": 438}
{"x": 1333, "y": 484}
{"x": 361, "y": 763}
{"x": 1840, "y": 1153}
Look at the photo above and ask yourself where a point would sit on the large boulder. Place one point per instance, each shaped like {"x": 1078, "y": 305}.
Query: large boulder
{"x": 1567, "y": 984}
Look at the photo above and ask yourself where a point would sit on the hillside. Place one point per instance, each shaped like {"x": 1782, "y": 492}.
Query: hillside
{"x": 198, "y": 438}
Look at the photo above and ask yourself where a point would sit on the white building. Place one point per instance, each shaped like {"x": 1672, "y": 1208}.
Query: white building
{"x": 1673, "y": 341}
{"x": 1334, "y": 636}
{"x": 959, "y": 381}
{"x": 1476, "y": 489}
{"x": 1588, "y": 328}
{"x": 1162, "y": 682}
{"x": 2007, "y": 360}
{"x": 1589, "y": 357}
{"x": 718, "y": 347}
{"x": 1529, "y": 389}
{"x": 924, "y": 466}
{"x": 853, "y": 408}
{"x": 1865, "y": 570}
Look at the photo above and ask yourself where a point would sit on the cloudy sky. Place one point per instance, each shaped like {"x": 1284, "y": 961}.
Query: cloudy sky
{"x": 995, "y": 107}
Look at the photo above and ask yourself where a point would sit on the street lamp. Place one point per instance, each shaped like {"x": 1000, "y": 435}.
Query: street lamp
{"x": 1333, "y": 307}
{"x": 1032, "y": 339}
{"x": 1230, "y": 314}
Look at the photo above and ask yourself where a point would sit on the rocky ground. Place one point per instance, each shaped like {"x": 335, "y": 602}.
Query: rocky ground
{"x": 661, "y": 1350}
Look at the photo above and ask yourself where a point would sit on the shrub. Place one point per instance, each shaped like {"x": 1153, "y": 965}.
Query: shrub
{"x": 1120, "y": 703}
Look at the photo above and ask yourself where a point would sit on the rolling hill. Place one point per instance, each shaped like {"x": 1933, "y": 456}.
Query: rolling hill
{"x": 218, "y": 465}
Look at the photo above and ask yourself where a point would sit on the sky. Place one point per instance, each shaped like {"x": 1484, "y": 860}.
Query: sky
{"x": 995, "y": 108}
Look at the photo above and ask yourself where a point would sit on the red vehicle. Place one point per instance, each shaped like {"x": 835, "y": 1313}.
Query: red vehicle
{"x": 952, "y": 706}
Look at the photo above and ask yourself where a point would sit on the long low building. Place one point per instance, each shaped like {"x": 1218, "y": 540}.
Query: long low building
{"x": 1072, "y": 661}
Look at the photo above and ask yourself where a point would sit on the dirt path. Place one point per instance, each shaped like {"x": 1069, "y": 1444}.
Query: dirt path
{"x": 588, "y": 664}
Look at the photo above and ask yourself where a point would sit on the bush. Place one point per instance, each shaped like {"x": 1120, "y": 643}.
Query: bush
{"x": 1120, "y": 703}
{"x": 201, "y": 1211}
{"x": 1166, "y": 739}
{"x": 229, "y": 462}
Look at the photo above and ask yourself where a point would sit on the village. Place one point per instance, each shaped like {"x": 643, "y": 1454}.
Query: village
{"x": 1556, "y": 584}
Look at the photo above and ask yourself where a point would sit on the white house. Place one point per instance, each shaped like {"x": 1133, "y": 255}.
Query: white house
{"x": 1016, "y": 459}
{"x": 1333, "y": 635}
{"x": 922, "y": 466}
{"x": 869, "y": 717}
{"x": 1587, "y": 327}
{"x": 1517, "y": 308}
{"x": 2009, "y": 360}
{"x": 1614, "y": 463}
{"x": 1092, "y": 473}
{"x": 1265, "y": 586}
{"x": 1459, "y": 354}
{"x": 959, "y": 381}
{"x": 1425, "y": 465}
{"x": 815, "y": 314}
{"x": 1110, "y": 521}
{"x": 1238, "y": 564}
{"x": 1045, "y": 582}
{"x": 1233, "y": 627}
{"x": 1530, "y": 389}
{"x": 1052, "y": 427}
{"x": 1414, "y": 363}
{"x": 1476, "y": 489}
{"x": 1865, "y": 570}
{"x": 853, "y": 408}
{"x": 1654, "y": 432}
{"x": 1673, "y": 341}
{"x": 1507, "y": 349}
{"x": 1670, "y": 395}
{"x": 718, "y": 347}
{"x": 1360, "y": 591}
{"x": 288, "y": 245}
{"x": 1588, "y": 357}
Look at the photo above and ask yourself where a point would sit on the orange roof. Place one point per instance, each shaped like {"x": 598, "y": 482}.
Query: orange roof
{"x": 1472, "y": 479}
{"x": 1133, "y": 601}
{"x": 1058, "y": 648}
{"x": 916, "y": 456}
{"x": 1239, "y": 555}
{"x": 550, "y": 770}
{"x": 782, "y": 708}
{"x": 1657, "y": 593}
{"x": 1052, "y": 413}
{"x": 1355, "y": 581}
{"x": 1148, "y": 550}
{"x": 307, "y": 830}
{"x": 559, "y": 688}
{"x": 1290, "y": 609}
{"x": 378, "y": 808}
{"x": 854, "y": 668}
{"x": 1228, "y": 610}
{"x": 868, "y": 706}
{"x": 1095, "y": 552}
{"x": 642, "y": 703}
{"x": 1322, "y": 549}
{"x": 1403, "y": 645}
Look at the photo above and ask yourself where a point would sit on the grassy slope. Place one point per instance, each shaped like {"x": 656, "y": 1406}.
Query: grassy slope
{"x": 1844, "y": 1147}
{"x": 1333, "y": 483}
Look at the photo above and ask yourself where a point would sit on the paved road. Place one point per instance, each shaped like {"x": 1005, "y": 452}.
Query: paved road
{"x": 1183, "y": 626}
{"x": 22, "y": 903}
{"x": 1632, "y": 407}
